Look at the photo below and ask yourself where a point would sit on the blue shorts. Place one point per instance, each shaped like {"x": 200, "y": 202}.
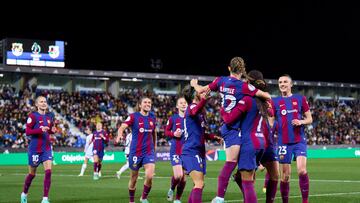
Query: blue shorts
{"x": 36, "y": 158}
{"x": 193, "y": 163}
{"x": 175, "y": 159}
{"x": 249, "y": 158}
{"x": 269, "y": 155}
{"x": 136, "y": 162}
{"x": 288, "y": 151}
{"x": 100, "y": 154}
{"x": 231, "y": 136}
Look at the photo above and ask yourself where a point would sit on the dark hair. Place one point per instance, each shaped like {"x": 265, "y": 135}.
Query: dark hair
{"x": 257, "y": 80}
{"x": 188, "y": 93}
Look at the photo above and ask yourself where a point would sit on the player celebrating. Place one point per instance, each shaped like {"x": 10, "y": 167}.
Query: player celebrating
{"x": 142, "y": 148}
{"x": 253, "y": 114}
{"x": 99, "y": 138}
{"x": 39, "y": 126}
{"x": 292, "y": 113}
{"x": 127, "y": 151}
{"x": 174, "y": 129}
{"x": 231, "y": 89}
{"x": 193, "y": 153}
{"x": 88, "y": 149}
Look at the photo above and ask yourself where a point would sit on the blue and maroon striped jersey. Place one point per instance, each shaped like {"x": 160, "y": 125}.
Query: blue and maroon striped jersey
{"x": 175, "y": 122}
{"x": 287, "y": 109}
{"x": 98, "y": 141}
{"x": 253, "y": 127}
{"x": 39, "y": 140}
{"x": 142, "y": 129}
{"x": 232, "y": 90}
{"x": 194, "y": 130}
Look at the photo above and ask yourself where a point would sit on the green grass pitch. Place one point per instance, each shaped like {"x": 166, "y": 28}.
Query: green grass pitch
{"x": 331, "y": 181}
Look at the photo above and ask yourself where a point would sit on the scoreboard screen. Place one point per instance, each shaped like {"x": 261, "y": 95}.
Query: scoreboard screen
{"x": 25, "y": 52}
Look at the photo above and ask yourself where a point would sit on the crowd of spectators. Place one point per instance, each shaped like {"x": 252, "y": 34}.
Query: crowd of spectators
{"x": 335, "y": 122}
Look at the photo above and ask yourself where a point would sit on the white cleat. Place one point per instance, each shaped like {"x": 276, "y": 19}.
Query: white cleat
{"x": 170, "y": 195}
{"x": 118, "y": 175}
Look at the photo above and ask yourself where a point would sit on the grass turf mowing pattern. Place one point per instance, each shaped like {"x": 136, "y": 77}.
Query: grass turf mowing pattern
{"x": 331, "y": 180}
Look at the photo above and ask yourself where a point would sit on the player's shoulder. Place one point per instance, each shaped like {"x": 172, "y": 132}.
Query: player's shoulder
{"x": 33, "y": 113}
{"x": 152, "y": 114}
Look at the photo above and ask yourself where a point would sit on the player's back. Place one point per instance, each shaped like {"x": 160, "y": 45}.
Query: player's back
{"x": 253, "y": 125}
{"x": 232, "y": 90}
{"x": 194, "y": 130}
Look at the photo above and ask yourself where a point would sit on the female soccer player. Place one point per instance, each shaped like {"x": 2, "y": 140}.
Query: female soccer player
{"x": 231, "y": 89}
{"x": 193, "y": 153}
{"x": 292, "y": 112}
{"x": 253, "y": 114}
{"x": 88, "y": 149}
{"x": 100, "y": 138}
{"x": 39, "y": 126}
{"x": 174, "y": 129}
{"x": 142, "y": 148}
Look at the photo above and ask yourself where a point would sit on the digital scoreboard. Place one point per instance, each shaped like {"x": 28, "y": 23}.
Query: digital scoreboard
{"x": 26, "y": 52}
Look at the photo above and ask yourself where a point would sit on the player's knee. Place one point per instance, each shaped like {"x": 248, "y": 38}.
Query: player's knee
{"x": 199, "y": 184}
{"x": 286, "y": 178}
{"x": 178, "y": 176}
{"x": 302, "y": 171}
{"x": 149, "y": 176}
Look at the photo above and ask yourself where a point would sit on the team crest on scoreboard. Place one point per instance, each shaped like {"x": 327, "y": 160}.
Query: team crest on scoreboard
{"x": 54, "y": 51}
{"x": 17, "y": 49}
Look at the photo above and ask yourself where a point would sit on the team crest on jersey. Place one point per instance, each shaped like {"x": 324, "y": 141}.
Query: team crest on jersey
{"x": 294, "y": 103}
{"x": 40, "y": 121}
{"x": 251, "y": 87}
{"x": 281, "y": 157}
{"x": 29, "y": 120}
{"x": 283, "y": 112}
{"x": 151, "y": 123}
{"x": 201, "y": 166}
{"x": 176, "y": 161}
{"x": 141, "y": 130}
{"x": 134, "y": 165}
{"x": 48, "y": 121}
{"x": 95, "y": 152}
